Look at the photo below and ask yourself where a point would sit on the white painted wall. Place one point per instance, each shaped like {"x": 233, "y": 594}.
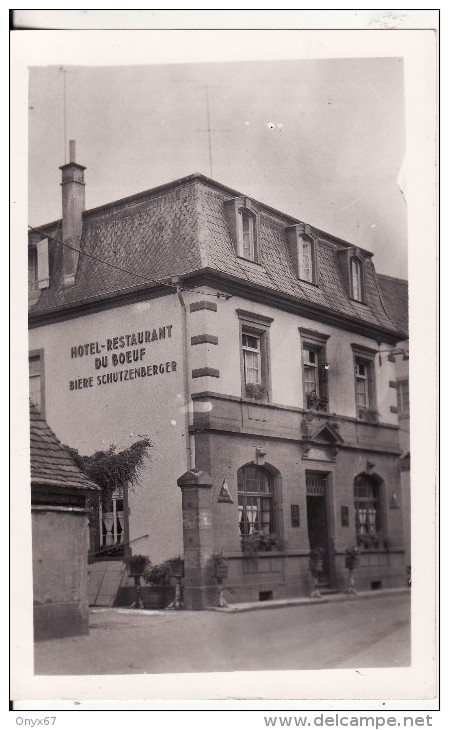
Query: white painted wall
{"x": 286, "y": 367}
{"x": 93, "y": 418}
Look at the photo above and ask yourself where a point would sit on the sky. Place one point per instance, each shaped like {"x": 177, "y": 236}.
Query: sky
{"x": 321, "y": 140}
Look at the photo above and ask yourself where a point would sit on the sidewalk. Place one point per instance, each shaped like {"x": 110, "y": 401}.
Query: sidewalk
{"x": 325, "y": 598}
{"x": 278, "y": 603}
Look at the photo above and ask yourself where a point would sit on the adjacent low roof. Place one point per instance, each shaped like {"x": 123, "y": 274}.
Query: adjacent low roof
{"x": 50, "y": 463}
{"x": 395, "y": 297}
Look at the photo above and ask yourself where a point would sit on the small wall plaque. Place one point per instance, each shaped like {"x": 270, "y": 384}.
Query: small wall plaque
{"x": 295, "y": 515}
{"x": 345, "y": 515}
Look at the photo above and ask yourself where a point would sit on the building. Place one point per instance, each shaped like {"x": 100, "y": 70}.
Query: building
{"x": 60, "y": 506}
{"x": 395, "y": 296}
{"x": 248, "y": 345}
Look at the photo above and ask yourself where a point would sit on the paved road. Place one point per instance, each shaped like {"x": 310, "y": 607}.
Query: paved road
{"x": 359, "y": 633}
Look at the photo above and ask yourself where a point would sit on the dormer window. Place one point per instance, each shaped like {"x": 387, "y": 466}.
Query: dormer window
{"x": 242, "y": 216}
{"x": 248, "y": 235}
{"x": 356, "y": 280}
{"x": 302, "y": 245}
{"x": 354, "y": 265}
{"x": 306, "y": 269}
{"x": 38, "y": 269}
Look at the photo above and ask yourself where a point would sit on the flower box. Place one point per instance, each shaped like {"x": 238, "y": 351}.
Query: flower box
{"x": 256, "y": 391}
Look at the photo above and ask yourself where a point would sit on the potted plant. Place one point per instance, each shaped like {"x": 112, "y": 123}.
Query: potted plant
{"x": 175, "y": 567}
{"x": 160, "y": 592}
{"x": 137, "y": 565}
{"x": 352, "y": 557}
{"x": 176, "y": 571}
{"x": 219, "y": 565}
{"x": 220, "y": 568}
{"x": 316, "y": 566}
{"x": 316, "y": 560}
{"x": 256, "y": 390}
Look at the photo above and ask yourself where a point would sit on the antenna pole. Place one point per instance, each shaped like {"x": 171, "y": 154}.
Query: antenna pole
{"x": 65, "y": 115}
{"x": 209, "y": 131}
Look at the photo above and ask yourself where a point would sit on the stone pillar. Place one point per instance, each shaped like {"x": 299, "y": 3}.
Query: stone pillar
{"x": 199, "y": 588}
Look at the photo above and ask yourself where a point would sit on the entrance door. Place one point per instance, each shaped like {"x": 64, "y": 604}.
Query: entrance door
{"x": 317, "y": 519}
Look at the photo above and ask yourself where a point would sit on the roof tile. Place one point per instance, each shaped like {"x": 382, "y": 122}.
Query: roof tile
{"x": 182, "y": 229}
{"x": 50, "y": 462}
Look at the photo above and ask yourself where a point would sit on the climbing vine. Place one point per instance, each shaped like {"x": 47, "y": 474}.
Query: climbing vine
{"x": 112, "y": 469}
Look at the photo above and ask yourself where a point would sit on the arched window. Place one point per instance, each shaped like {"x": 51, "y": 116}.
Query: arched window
{"x": 366, "y": 505}
{"x": 255, "y": 500}
{"x": 356, "y": 280}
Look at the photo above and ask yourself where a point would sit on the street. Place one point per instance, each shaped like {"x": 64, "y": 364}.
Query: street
{"x": 372, "y": 632}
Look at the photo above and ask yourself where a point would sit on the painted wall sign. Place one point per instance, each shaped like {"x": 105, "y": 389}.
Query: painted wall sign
{"x": 112, "y": 353}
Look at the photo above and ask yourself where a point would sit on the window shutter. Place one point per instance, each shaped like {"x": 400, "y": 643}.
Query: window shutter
{"x": 43, "y": 274}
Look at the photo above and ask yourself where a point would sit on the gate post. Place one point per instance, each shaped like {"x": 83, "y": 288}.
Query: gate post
{"x": 198, "y": 537}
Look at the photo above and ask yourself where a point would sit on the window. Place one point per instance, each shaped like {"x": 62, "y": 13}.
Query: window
{"x": 32, "y": 268}
{"x": 305, "y": 265}
{"x": 248, "y": 236}
{"x": 403, "y": 397}
{"x": 366, "y": 505}
{"x": 365, "y": 397}
{"x": 112, "y": 524}
{"x": 314, "y": 368}
{"x": 38, "y": 267}
{"x": 251, "y": 358}
{"x": 242, "y": 216}
{"x": 302, "y": 244}
{"x": 363, "y": 387}
{"x": 254, "y": 330}
{"x": 361, "y": 384}
{"x": 255, "y": 500}
{"x": 356, "y": 280}
{"x": 353, "y": 263}
{"x": 36, "y": 380}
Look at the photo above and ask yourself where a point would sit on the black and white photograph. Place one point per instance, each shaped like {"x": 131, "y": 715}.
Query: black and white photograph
{"x": 221, "y": 380}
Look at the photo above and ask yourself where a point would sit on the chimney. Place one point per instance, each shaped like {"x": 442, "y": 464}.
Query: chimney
{"x": 73, "y": 205}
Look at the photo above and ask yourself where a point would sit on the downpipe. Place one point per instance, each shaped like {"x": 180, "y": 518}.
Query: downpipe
{"x": 188, "y": 415}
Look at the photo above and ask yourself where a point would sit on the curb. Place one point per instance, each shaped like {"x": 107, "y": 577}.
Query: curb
{"x": 331, "y": 598}
{"x": 127, "y": 611}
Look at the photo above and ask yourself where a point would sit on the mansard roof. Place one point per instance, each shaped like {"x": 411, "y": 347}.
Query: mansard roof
{"x": 180, "y": 229}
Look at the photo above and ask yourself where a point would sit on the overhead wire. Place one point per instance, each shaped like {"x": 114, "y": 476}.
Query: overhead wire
{"x": 144, "y": 280}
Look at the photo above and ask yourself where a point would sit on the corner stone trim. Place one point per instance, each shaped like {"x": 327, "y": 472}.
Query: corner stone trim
{"x": 394, "y": 409}
{"x": 201, "y": 339}
{"x": 393, "y": 384}
{"x": 205, "y": 373}
{"x": 198, "y": 306}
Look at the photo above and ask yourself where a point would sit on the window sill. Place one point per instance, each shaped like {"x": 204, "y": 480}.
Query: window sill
{"x": 311, "y": 283}
{"x": 248, "y": 399}
{"x": 249, "y": 261}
